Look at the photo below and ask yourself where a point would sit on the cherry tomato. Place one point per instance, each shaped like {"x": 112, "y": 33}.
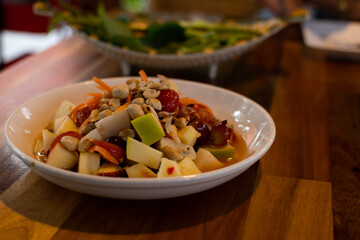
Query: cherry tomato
{"x": 169, "y": 100}
{"x": 58, "y": 138}
{"x": 115, "y": 151}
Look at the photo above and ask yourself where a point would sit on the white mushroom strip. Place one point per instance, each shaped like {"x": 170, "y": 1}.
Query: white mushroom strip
{"x": 172, "y": 153}
{"x": 154, "y": 103}
{"x": 188, "y": 152}
{"x": 164, "y": 114}
{"x": 121, "y": 91}
{"x": 174, "y": 134}
{"x": 167, "y": 123}
{"x": 135, "y": 111}
{"x": 104, "y": 114}
{"x": 151, "y": 93}
{"x": 70, "y": 143}
{"x": 180, "y": 122}
{"x": 174, "y": 150}
{"x": 125, "y": 133}
{"x": 140, "y": 101}
{"x": 85, "y": 144}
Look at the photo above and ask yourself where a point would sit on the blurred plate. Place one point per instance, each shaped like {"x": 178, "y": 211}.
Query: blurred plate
{"x": 340, "y": 37}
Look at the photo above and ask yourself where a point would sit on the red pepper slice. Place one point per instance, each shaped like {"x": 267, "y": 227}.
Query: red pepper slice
{"x": 117, "y": 152}
{"x": 58, "y": 138}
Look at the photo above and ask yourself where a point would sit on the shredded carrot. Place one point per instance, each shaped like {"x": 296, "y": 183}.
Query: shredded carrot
{"x": 103, "y": 85}
{"x": 104, "y": 153}
{"x": 185, "y": 101}
{"x": 76, "y": 109}
{"x": 95, "y": 100}
{"x": 128, "y": 98}
{"x": 143, "y": 76}
{"x": 122, "y": 107}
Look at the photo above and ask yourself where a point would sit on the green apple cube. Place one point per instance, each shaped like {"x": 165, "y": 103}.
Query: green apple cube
{"x": 168, "y": 168}
{"x": 142, "y": 153}
{"x": 188, "y": 135}
{"x": 148, "y": 128}
{"x": 205, "y": 161}
{"x": 139, "y": 171}
{"x": 188, "y": 167}
{"x": 222, "y": 152}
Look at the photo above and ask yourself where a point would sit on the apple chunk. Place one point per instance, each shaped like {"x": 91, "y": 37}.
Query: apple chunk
{"x": 67, "y": 125}
{"x": 139, "y": 171}
{"x": 168, "y": 168}
{"x": 188, "y": 167}
{"x": 89, "y": 163}
{"x": 48, "y": 138}
{"x": 188, "y": 135}
{"x": 148, "y": 128}
{"x": 142, "y": 153}
{"x": 61, "y": 158}
{"x": 110, "y": 170}
{"x": 205, "y": 161}
{"x": 63, "y": 110}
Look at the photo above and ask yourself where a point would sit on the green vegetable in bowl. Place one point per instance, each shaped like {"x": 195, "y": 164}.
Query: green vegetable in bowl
{"x": 148, "y": 35}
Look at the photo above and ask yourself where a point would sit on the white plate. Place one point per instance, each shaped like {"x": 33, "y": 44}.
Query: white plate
{"x": 334, "y": 36}
{"x": 249, "y": 119}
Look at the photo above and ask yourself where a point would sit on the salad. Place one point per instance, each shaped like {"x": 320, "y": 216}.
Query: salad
{"x": 139, "y": 128}
{"x": 153, "y": 35}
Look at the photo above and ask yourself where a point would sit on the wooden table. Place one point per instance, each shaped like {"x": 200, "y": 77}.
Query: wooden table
{"x": 306, "y": 187}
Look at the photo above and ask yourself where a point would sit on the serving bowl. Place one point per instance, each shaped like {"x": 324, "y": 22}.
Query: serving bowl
{"x": 173, "y": 61}
{"x": 248, "y": 118}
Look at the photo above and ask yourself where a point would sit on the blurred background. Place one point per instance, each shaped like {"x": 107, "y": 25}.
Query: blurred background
{"x": 23, "y": 32}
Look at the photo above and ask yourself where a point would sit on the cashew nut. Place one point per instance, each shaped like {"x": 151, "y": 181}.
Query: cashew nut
{"x": 139, "y": 101}
{"x": 151, "y": 93}
{"x": 133, "y": 83}
{"x": 155, "y": 103}
{"x": 94, "y": 115}
{"x": 85, "y": 144}
{"x": 121, "y": 91}
{"x": 104, "y": 114}
{"x": 70, "y": 143}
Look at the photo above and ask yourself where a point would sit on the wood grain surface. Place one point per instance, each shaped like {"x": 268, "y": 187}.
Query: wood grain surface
{"x": 305, "y": 187}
